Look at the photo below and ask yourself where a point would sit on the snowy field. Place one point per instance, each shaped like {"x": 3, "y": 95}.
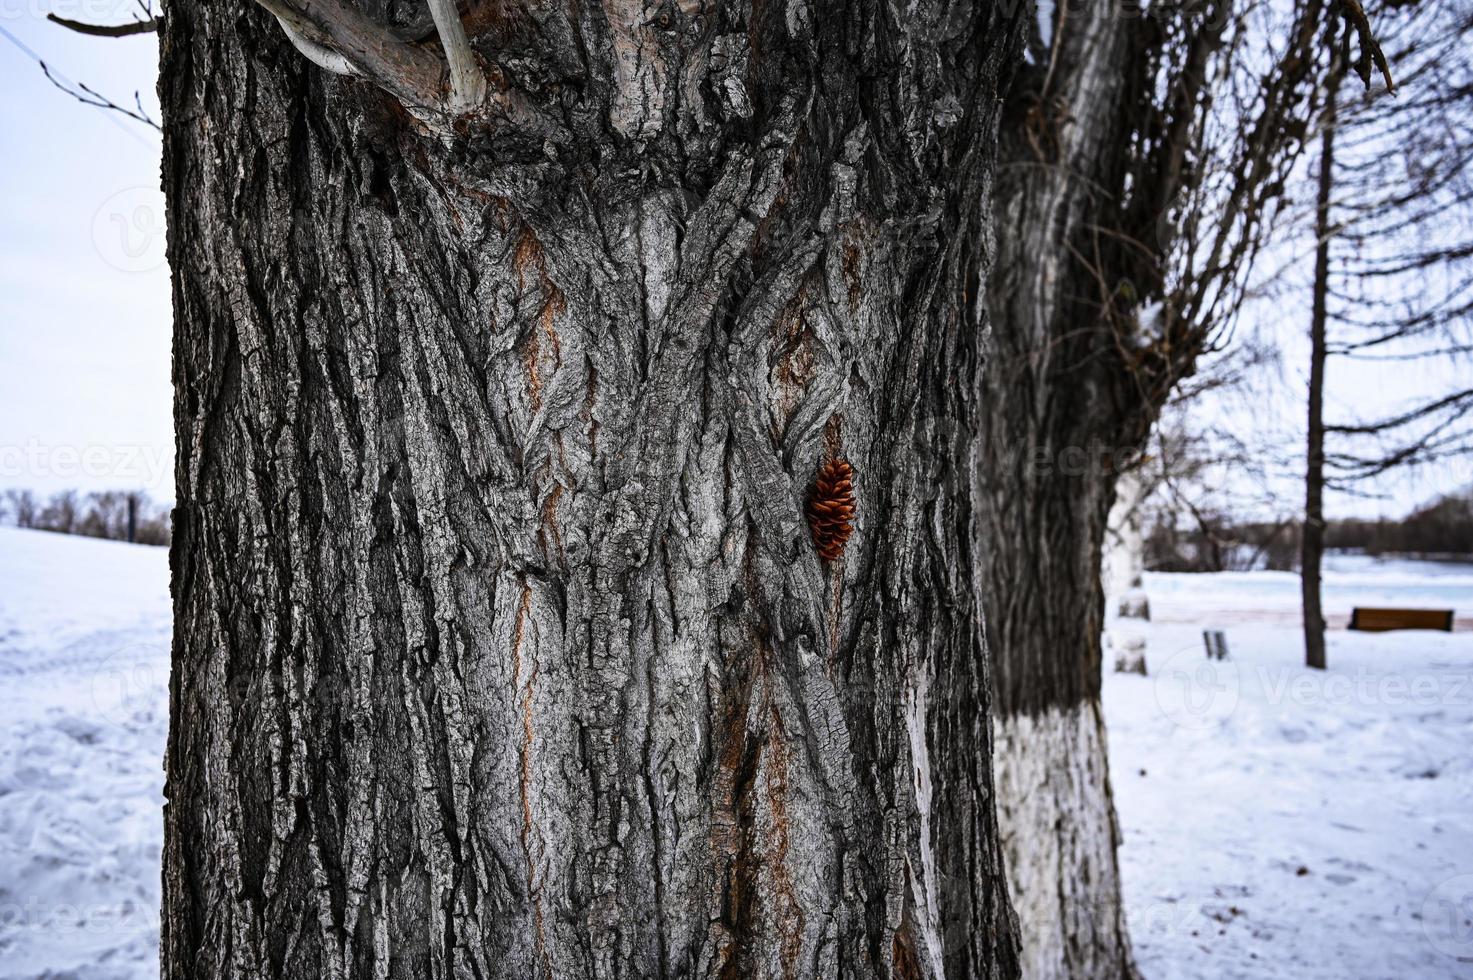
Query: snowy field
{"x": 84, "y": 705}
{"x": 1276, "y": 823}
{"x": 1283, "y": 822}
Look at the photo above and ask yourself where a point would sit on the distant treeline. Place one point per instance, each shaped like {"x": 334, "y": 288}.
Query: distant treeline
{"x": 1441, "y": 528}
{"x": 1213, "y": 543}
{"x": 108, "y": 514}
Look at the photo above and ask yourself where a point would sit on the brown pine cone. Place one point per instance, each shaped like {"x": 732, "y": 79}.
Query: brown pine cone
{"x": 831, "y": 509}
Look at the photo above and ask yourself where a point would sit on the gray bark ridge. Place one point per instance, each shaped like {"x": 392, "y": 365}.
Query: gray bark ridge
{"x": 502, "y": 649}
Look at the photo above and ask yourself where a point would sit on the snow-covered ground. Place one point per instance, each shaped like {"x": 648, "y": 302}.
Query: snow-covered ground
{"x": 1283, "y": 822}
{"x": 1272, "y": 598}
{"x": 1276, "y": 822}
{"x": 84, "y": 672}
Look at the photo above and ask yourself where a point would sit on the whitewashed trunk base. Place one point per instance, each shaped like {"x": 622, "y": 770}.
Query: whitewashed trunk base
{"x": 1057, "y": 820}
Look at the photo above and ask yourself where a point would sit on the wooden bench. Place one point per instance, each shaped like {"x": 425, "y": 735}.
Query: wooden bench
{"x": 1380, "y": 620}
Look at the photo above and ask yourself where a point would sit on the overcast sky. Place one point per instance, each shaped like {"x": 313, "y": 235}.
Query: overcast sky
{"x": 84, "y": 289}
{"x": 85, "y": 396}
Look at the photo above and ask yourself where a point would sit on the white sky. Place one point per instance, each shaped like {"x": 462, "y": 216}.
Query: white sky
{"x": 85, "y": 397}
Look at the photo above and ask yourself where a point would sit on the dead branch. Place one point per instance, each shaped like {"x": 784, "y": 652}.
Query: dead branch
{"x": 344, "y": 38}
{"x": 1370, "y": 50}
{"x": 149, "y": 26}
{"x": 467, "y": 81}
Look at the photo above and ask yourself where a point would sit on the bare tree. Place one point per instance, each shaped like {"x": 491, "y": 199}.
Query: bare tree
{"x": 23, "y": 507}
{"x": 1215, "y": 462}
{"x": 61, "y": 513}
{"x": 1393, "y": 275}
{"x": 1132, "y": 166}
{"x": 154, "y": 525}
{"x": 100, "y": 514}
{"x": 1312, "y": 544}
{"x": 104, "y": 515}
{"x": 1143, "y": 156}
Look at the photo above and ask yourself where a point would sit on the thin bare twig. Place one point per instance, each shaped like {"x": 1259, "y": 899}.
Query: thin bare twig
{"x": 89, "y": 96}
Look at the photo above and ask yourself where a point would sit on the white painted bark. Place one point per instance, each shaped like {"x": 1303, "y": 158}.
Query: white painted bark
{"x": 1122, "y": 570}
{"x": 1059, "y": 837}
{"x": 1124, "y": 561}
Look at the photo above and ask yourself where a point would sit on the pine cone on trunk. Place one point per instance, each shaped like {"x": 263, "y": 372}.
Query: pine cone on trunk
{"x": 831, "y": 509}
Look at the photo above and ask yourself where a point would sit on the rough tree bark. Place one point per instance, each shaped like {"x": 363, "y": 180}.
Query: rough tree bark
{"x": 1061, "y": 402}
{"x": 502, "y": 649}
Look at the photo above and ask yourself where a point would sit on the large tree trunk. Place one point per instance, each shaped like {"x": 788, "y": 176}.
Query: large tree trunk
{"x": 502, "y": 648}
{"x": 1065, "y": 414}
{"x": 1120, "y": 256}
